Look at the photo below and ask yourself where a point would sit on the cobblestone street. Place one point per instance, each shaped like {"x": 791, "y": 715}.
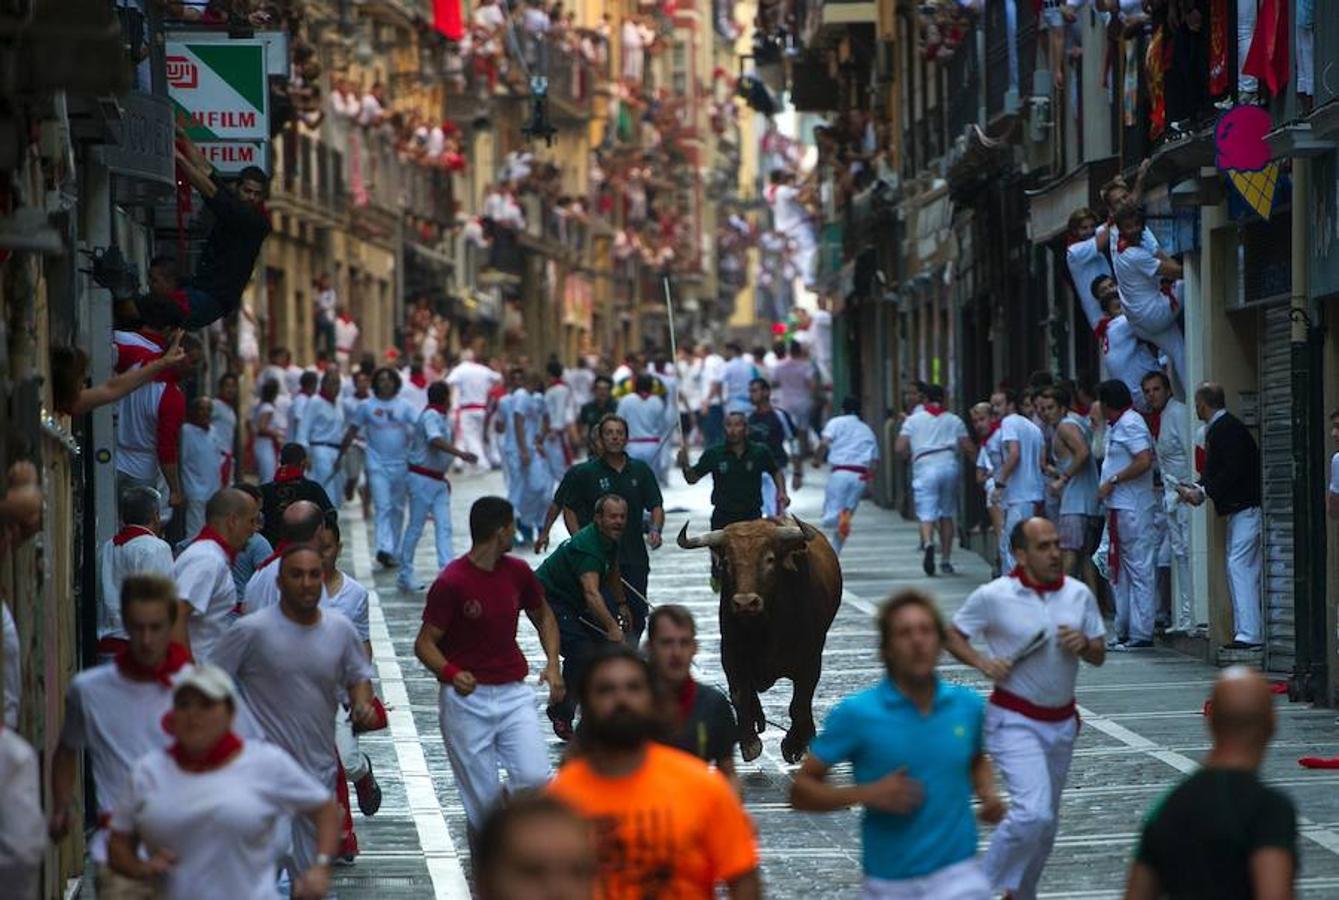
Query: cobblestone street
{"x": 1142, "y": 729}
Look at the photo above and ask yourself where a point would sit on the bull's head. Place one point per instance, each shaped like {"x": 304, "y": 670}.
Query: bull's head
{"x": 751, "y": 556}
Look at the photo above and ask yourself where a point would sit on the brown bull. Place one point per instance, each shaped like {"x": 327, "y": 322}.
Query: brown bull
{"x": 780, "y": 589}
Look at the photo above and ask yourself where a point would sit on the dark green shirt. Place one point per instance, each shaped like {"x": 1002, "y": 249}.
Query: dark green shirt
{"x": 591, "y": 413}
{"x": 585, "y": 551}
{"x": 635, "y": 483}
{"x": 737, "y": 479}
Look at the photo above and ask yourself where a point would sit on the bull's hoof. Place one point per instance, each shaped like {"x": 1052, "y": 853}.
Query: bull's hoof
{"x": 793, "y": 747}
{"x": 750, "y": 749}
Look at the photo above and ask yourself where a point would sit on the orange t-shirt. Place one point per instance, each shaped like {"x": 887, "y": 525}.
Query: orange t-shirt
{"x": 671, "y": 830}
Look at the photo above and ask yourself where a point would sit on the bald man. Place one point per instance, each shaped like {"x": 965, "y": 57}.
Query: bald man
{"x": 203, "y": 572}
{"x": 1223, "y": 833}
{"x": 303, "y": 522}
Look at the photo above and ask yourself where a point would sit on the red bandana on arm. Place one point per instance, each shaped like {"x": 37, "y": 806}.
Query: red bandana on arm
{"x": 177, "y": 656}
{"x": 285, "y": 474}
{"x": 1041, "y": 587}
{"x": 209, "y": 534}
{"x": 215, "y": 757}
{"x": 129, "y": 533}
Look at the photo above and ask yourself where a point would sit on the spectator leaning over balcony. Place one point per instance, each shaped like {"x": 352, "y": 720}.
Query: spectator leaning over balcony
{"x": 1148, "y": 290}
{"x": 241, "y": 225}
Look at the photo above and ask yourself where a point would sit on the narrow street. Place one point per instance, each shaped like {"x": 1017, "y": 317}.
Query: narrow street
{"x": 1142, "y": 728}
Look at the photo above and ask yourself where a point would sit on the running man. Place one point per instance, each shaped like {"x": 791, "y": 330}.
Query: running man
{"x": 703, "y": 719}
{"x": 470, "y": 383}
{"x": 1019, "y": 482}
{"x": 1038, "y": 624}
{"x": 430, "y": 453}
{"x": 321, "y": 430}
{"x": 737, "y": 468}
{"x": 932, "y": 438}
{"x": 647, "y": 419}
{"x": 386, "y": 420}
{"x": 206, "y": 590}
{"x": 918, "y": 753}
{"x": 850, "y": 446}
{"x": 573, "y": 576}
{"x": 593, "y": 412}
{"x": 468, "y": 641}
{"x": 773, "y": 427}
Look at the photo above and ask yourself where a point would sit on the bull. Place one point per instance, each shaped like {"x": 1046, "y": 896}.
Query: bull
{"x": 781, "y": 585}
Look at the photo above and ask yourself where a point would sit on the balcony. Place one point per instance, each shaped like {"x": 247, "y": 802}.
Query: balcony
{"x": 830, "y": 20}
{"x": 571, "y": 86}
{"x": 1010, "y": 58}
{"x": 308, "y": 174}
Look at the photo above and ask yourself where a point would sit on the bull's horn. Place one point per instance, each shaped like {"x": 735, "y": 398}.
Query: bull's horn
{"x": 790, "y": 533}
{"x": 710, "y": 539}
{"x": 810, "y": 532}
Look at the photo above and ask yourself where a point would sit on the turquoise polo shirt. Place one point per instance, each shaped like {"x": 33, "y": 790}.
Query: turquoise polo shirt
{"x": 880, "y": 731}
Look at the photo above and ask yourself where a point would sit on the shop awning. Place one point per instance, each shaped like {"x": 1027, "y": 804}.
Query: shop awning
{"x": 1049, "y": 207}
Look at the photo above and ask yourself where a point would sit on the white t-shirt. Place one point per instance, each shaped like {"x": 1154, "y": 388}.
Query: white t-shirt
{"x": 204, "y": 580}
{"x": 582, "y": 380}
{"x": 201, "y": 463}
{"x": 1086, "y": 264}
{"x": 23, "y": 834}
{"x": 712, "y": 364}
{"x": 293, "y": 677}
{"x": 223, "y": 424}
{"x": 1125, "y": 440}
{"x": 325, "y": 302}
{"x": 558, "y": 398}
{"x": 1175, "y": 450}
{"x": 1127, "y": 357}
{"x": 219, "y": 825}
{"x": 431, "y": 426}
{"x": 1141, "y": 294}
{"x": 489, "y": 17}
{"x": 646, "y": 416}
{"x": 735, "y": 377}
{"x": 387, "y": 426}
{"x": 148, "y": 554}
{"x": 346, "y": 335}
{"x": 788, "y": 214}
{"x": 470, "y": 383}
{"x": 322, "y": 423}
{"x": 1025, "y": 484}
{"x": 934, "y": 438}
{"x": 351, "y": 603}
{"x": 850, "y": 442}
{"x": 1007, "y": 615}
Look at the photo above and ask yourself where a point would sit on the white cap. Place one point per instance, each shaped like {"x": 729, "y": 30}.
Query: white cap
{"x": 211, "y": 681}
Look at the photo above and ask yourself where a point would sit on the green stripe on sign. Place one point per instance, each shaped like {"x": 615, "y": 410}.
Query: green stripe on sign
{"x": 243, "y": 68}
{"x": 194, "y": 130}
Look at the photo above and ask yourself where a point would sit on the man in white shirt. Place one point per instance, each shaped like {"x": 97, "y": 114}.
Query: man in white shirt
{"x": 346, "y": 337}
{"x": 322, "y": 431}
{"x": 1038, "y": 624}
{"x": 713, "y": 410}
{"x": 790, "y": 218}
{"x": 326, "y": 301}
{"x": 137, "y": 548}
{"x": 932, "y": 439}
{"x": 735, "y": 376}
{"x": 303, "y": 522}
{"x": 307, "y": 383}
{"x": 292, "y": 661}
{"x": 852, "y": 449}
{"x": 201, "y": 463}
{"x": 647, "y": 420}
{"x": 206, "y": 590}
{"x": 1140, "y": 274}
{"x": 1169, "y": 425}
{"x": 386, "y": 421}
{"x": 430, "y": 453}
{"x": 820, "y": 344}
{"x": 582, "y": 381}
{"x": 470, "y": 383}
{"x": 1125, "y": 355}
{"x": 23, "y": 840}
{"x": 1019, "y": 484}
{"x": 560, "y": 402}
{"x": 1127, "y": 490}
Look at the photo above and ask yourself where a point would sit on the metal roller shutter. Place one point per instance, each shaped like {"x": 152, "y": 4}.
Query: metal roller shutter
{"x": 1276, "y": 458}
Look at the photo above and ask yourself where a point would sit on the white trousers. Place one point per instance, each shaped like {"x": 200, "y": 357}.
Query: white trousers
{"x": 1013, "y": 514}
{"x": 496, "y": 727}
{"x": 426, "y": 496}
{"x": 266, "y": 459}
{"x": 328, "y": 475}
{"x": 1166, "y": 335}
{"x": 195, "y": 517}
{"x": 388, "y": 486}
{"x": 1136, "y": 584}
{"x": 645, "y": 450}
{"x": 555, "y": 457}
{"x": 934, "y": 488}
{"x": 1246, "y": 10}
{"x": 961, "y": 881}
{"x": 1033, "y": 760}
{"x": 844, "y": 491}
{"x": 1244, "y": 563}
{"x": 769, "y": 507}
{"x": 470, "y": 433}
{"x": 1178, "y": 535}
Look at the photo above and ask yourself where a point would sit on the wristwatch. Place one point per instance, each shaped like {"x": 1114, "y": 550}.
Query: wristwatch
{"x": 1114, "y": 479}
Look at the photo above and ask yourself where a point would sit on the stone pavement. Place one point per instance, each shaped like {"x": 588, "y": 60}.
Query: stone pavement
{"x": 1142, "y": 727}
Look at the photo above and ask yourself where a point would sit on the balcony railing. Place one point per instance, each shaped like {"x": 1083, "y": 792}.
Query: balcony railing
{"x": 1010, "y": 54}
{"x": 307, "y": 169}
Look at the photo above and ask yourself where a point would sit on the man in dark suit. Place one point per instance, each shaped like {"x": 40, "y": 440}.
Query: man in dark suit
{"x": 1231, "y": 478}
{"x": 290, "y": 484}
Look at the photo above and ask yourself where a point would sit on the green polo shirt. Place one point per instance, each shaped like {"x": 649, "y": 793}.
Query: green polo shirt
{"x": 737, "y": 478}
{"x": 585, "y": 551}
{"x": 591, "y": 413}
{"x": 635, "y": 483}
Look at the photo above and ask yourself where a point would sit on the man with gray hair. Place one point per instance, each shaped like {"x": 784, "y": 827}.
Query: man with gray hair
{"x": 207, "y": 593}
{"x": 137, "y": 549}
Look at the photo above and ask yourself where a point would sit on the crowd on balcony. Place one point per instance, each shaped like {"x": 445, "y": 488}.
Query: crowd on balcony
{"x": 543, "y": 34}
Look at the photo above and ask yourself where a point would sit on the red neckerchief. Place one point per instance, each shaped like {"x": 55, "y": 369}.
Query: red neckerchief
{"x": 557, "y": 381}
{"x": 345, "y": 317}
{"x": 1041, "y": 587}
{"x": 1154, "y": 420}
{"x": 177, "y": 656}
{"x": 285, "y": 474}
{"x": 129, "y": 533}
{"x": 1114, "y": 417}
{"x": 686, "y": 697}
{"x": 933, "y": 409}
{"x": 418, "y": 380}
{"x": 279, "y": 549}
{"x": 209, "y": 534}
{"x": 215, "y": 757}
{"x": 1081, "y": 409}
{"x": 1122, "y": 245}
{"x": 994, "y": 427}
{"x": 1100, "y": 329}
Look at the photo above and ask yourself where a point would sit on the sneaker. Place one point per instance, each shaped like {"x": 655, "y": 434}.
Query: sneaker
{"x": 928, "y": 562}
{"x": 369, "y": 792}
{"x": 410, "y": 587}
{"x": 844, "y": 524}
{"x": 1129, "y": 646}
{"x": 1116, "y": 642}
{"x": 946, "y": 568}
{"x": 387, "y": 561}
{"x": 561, "y": 727}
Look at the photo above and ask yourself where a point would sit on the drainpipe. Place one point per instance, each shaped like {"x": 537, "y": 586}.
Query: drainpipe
{"x": 1309, "y": 550}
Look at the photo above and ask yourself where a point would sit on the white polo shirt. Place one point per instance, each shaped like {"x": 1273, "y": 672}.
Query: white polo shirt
{"x": 1125, "y": 440}
{"x": 431, "y": 425}
{"x": 470, "y": 383}
{"x": 1006, "y": 615}
{"x": 934, "y": 438}
{"x": 322, "y": 424}
{"x": 645, "y": 415}
{"x": 204, "y": 580}
{"x": 1141, "y": 293}
{"x": 145, "y": 553}
{"x": 201, "y": 463}
{"x": 850, "y": 442}
{"x": 1025, "y": 484}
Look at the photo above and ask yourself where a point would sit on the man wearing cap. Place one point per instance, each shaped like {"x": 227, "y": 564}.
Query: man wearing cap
{"x": 1037, "y": 623}
{"x": 292, "y": 660}
{"x": 851, "y": 448}
{"x": 203, "y": 572}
